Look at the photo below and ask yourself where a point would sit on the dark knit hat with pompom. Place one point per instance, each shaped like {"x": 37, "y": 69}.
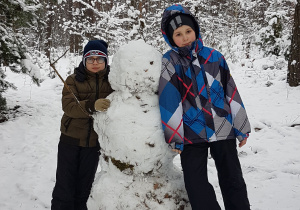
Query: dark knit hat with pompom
{"x": 95, "y": 48}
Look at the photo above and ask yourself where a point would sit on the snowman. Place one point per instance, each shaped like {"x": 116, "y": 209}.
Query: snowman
{"x": 137, "y": 170}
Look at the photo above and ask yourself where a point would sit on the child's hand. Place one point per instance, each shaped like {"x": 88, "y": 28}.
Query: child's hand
{"x": 243, "y": 142}
{"x": 178, "y": 148}
{"x": 177, "y": 151}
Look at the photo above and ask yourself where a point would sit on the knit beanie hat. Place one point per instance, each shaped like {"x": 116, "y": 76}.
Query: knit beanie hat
{"x": 95, "y": 48}
{"x": 176, "y": 21}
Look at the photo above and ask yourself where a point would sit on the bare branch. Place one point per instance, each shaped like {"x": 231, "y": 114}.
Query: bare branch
{"x": 59, "y": 57}
{"x": 67, "y": 86}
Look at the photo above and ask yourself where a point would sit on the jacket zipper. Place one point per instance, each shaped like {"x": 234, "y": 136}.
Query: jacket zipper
{"x": 90, "y": 119}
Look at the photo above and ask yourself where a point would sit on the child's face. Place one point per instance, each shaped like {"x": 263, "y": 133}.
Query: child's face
{"x": 184, "y": 36}
{"x": 95, "y": 63}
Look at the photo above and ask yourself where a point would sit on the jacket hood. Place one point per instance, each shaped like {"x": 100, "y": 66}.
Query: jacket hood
{"x": 172, "y": 11}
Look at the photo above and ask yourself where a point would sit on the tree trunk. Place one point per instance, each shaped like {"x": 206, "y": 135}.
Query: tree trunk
{"x": 49, "y": 27}
{"x": 293, "y": 76}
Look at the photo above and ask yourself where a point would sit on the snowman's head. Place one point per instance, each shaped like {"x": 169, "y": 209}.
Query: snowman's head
{"x": 135, "y": 68}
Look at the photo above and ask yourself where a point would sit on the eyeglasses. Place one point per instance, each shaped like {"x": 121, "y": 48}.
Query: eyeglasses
{"x": 98, "y": 60}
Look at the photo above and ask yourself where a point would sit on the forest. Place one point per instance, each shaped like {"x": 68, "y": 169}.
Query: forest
{"x": 35, "y": 32}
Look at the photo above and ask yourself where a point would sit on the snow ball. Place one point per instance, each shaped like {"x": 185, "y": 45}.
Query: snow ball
{"x": 135, "y": 68}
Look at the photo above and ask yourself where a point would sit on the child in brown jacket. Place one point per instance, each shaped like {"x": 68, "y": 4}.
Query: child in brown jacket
{"x": 78, "y": 148}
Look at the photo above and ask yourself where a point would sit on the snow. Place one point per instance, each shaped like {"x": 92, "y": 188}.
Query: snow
{"x": 270, "y": 160}
{"x": 33, "y": 70}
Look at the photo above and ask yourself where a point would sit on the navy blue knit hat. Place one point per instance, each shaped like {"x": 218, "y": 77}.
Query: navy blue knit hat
{"x": 95, "y": 48}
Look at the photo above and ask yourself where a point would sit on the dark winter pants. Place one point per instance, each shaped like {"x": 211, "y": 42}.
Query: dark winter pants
{"x": 200, "y": 192}
{"x": 76, "y": 168}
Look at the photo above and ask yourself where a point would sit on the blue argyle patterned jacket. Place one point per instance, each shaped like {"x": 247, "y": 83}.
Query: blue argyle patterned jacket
{"x": 198, "y": 98}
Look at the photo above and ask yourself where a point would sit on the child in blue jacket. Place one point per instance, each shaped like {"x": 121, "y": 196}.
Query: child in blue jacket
{"x": 201, "y": 108}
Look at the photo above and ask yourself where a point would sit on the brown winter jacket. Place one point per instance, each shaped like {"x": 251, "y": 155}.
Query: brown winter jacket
{"x": 76, "y": 126}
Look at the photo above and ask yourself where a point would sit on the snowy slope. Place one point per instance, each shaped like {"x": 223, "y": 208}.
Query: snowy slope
{"x": 270, "y": 160}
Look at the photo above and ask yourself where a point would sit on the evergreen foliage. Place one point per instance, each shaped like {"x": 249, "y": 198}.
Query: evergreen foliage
{"x": 17, "y": 20}
{"x": 276, "y": 35}
{"x": 2, "y": 103}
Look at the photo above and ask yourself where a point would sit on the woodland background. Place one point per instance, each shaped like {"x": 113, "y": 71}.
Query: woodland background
{"x": 33, "y": 33}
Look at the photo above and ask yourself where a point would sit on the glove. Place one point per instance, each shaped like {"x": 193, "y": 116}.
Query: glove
{"x": 102, "y": 104}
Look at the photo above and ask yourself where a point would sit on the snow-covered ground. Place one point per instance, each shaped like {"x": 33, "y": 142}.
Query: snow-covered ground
{"x": 270, "y": 160}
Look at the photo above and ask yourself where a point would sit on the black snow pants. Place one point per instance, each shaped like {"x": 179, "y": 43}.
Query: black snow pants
{"x": 75, "y": 173}
{"x": 200, "y": 192}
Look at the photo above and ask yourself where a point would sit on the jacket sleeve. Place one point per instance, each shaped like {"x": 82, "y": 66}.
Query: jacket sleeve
{"x": 70, "y": 105}
{"x": 170, "y": 104}
{"x": 240, "y": 121}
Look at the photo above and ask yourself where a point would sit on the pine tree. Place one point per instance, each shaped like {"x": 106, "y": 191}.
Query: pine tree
{"x": 16, "y": 18}
{"x": 273, "y": 36}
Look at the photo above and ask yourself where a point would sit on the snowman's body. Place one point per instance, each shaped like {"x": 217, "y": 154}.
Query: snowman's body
{"x": 137, "y": 170}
